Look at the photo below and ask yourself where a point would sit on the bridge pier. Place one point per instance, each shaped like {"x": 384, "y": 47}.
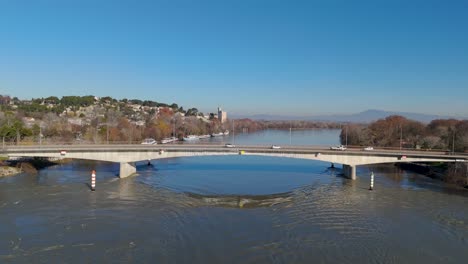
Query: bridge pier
{"x": 349, "y": 171}
{"x": 126, "y": 169}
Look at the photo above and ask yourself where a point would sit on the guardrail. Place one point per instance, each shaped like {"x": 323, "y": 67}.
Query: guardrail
{"x": 135, "y": 144}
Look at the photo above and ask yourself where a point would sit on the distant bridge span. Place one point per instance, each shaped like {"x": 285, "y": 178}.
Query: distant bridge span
{"x": 127, "y": 155}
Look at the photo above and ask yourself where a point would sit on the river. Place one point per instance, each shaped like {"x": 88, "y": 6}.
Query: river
{"x": 232, "y": 209}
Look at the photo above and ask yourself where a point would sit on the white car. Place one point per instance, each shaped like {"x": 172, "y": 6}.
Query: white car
{"x": 368, "y": 148}
{"x": 341, "y": 147}
{"x": 149, "y": 141}
{"x": 230, "y": 145}
{"x": 275, "y": 147}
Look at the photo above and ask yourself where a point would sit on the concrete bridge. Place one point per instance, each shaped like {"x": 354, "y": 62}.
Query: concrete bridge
{"x": 127, "y": 155}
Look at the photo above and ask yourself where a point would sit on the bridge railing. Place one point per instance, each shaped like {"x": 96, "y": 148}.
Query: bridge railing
{"x": 113, "y": 144}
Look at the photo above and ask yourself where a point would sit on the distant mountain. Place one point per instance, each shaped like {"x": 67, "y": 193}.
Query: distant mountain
{"x": 373, "y": 115}
{"x": 362, "y": 117}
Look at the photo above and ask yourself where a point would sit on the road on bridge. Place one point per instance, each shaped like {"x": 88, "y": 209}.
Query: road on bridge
{"x": 223, "y": 148}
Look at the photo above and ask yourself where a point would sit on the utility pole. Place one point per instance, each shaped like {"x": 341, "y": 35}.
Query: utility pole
{"x": 173, "y": 127}
{"x": 107, "y": 132}
{"x": 346, "y": 142}
{"x": 401, "y": 135}
{"x": 453, "y": 142}
{"x": 290, "y": 127}
{"x": 233, "y": 133}
{"x": 40, "y": 135}
{"x": 18, "y": 136}
{"x": 466, "y": 173}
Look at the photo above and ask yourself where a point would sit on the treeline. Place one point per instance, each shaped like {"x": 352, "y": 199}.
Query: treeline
{"x": 295, "y": 124}
{"x": 53, "y": 104}
{"x": 249, "y": 125}
{"x": 396, "y": 131}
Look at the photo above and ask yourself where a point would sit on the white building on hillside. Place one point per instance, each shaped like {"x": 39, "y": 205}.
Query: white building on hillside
{"x": 222, "y": 115}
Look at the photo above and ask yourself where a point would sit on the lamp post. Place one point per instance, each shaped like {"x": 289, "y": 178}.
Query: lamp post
{"x": 401, "y": 135}
{"x": 453, "y": 142}
{"x": 107, "y": 132}
{"x": 173, "y": 126}
{"x": 233, "y": 133}
{"x": 346, "y": 142}
{"x": 290, "y": 127}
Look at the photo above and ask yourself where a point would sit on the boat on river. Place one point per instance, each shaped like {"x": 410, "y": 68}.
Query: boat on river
{"x": 169, "y": 140}
{"x": 191, "y": 137}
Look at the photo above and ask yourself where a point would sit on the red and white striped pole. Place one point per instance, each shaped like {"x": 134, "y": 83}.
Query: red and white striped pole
{"x": 93, "y": 180}
{"x": 371, "y": 187}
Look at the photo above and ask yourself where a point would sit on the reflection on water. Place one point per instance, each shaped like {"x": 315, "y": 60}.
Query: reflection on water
{"x": 242, "y": 201}
{"x": 230, "y": 210}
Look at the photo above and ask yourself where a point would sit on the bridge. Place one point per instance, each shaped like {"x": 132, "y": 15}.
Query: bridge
{"x": 127, "y": 155}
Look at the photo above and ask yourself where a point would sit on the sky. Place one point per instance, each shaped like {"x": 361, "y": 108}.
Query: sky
{"x": 249, "y": 57}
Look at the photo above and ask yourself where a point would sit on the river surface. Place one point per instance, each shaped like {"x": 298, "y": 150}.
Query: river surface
{"x": 232, "y": 209}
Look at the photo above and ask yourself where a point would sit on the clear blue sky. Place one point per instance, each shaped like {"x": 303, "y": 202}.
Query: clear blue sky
{"x": 250, "y": 57}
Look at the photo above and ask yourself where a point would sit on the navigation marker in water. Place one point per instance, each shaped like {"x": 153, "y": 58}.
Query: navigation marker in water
{"x": 93, "y": 180}
{"x": 371, "y": 181}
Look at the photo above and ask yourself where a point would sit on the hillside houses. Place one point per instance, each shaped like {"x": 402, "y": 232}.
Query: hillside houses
{"x": 95, "y": 120}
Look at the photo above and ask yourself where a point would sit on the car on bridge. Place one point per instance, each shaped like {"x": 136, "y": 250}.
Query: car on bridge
{"x": 229, "y": 145}
{"x": 340, "y": 147}
{"x": 149, "y": 141}
{"x": 275, "y": 147}
{"x": 369, "y": 148}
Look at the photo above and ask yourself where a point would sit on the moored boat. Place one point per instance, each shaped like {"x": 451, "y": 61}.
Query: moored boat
{"x": 191, "y": 137}
{"x": 169, "y": 140}
{"x": 217, "y": 134}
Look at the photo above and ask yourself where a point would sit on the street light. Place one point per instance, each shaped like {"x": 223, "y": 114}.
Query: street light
{"x": 401, "y": 135}
{"x": 346, "y": 135}
{"x": 40, "y": 135}
{"x": 290, "y": 127}
{"x": 107, "y": 132}
{"x": 453, "y": 141}
{"x": 233, "y": 133}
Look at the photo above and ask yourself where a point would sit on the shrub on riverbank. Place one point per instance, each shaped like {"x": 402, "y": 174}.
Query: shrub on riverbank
{"x": 457, "y": 173}
{"x": 453, "y": 173}
{"x": 8, "y": 171}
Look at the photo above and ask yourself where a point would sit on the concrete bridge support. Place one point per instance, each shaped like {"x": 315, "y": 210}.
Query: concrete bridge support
{"x": 349, "y": 171}
{"x": 127, "y": 169}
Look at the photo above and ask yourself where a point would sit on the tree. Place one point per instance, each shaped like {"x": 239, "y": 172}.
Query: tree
{"x": 135, "y": 101}
{"x": 395, "y": 130}
{"x": 14, "y": 131}
{"x": 461, "y": 136}
{"x": 354, "y": 135}
{"x": 192, "y": 112}
{"x": 106, "y": 100}
{"x": 112, "y": 120}
{"x": 149, "y": 103}
{"x": 52, "y": 100}
{"x": 174, "y": 106}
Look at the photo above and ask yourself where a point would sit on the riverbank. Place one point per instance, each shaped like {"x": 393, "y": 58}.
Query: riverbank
{"x": 456, "y": 173}
{"x": 12, "y": 167}
{"x": 6, "y": 170}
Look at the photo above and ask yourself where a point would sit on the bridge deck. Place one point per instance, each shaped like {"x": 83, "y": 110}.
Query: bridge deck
{"x": 126, "y": 155}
